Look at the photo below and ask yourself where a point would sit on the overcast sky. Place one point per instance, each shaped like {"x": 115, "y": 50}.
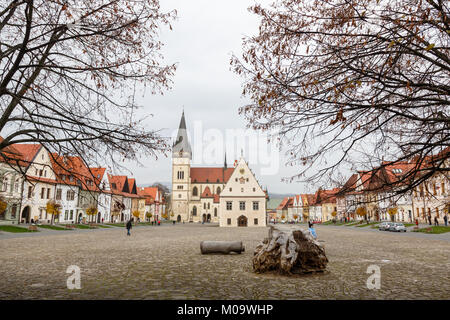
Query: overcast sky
{"x": 202, "y": 41}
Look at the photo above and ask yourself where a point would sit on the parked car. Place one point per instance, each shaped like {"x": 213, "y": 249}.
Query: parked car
{"x": 384, "y": 226}
{"x": 397, "y": 227}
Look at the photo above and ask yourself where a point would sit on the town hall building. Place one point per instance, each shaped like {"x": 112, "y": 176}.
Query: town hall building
{"x": 229, "y": 196}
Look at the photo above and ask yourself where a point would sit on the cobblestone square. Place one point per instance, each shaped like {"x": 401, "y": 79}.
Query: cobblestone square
{"x": 165, "y": 263}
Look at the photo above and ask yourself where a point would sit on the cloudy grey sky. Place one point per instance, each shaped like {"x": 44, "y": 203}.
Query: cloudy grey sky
{"x": 202, "y": 41}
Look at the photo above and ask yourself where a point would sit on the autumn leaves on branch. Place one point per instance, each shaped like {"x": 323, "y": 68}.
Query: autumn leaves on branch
{"x": 351, "y": 83}
{"x": 69, "y": 73}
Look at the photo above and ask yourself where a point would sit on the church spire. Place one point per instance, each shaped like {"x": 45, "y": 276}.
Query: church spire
{"x": 181, "y": 147}
{"x": 225, "y": 162}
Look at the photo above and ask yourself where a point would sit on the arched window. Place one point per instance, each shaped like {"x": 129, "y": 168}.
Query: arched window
{"x": 215, "y": 212}
{"x": 5, "y": 184}
{"x": 13, "y": 211}
{"x": 218, "y": 190}
{"x": 195, "y": 191}
{"x": 16, "y": 185}
{"x": 194, "y": 211}
{"x": 208, "y": 205}
{"x": 204, "y": 205}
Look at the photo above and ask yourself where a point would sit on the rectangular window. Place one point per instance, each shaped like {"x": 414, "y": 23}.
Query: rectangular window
{"x": 71, "y": 214}
{"x": 42, "y": 193}
{"x": 229, "y": 205}
{"x": 255, "y": 205}
{"x": 66, "y": 215}
{"x": 180, "y": 187}
{"x": 256, "y": 222}
{"x": 442, "y": 188}
{"x": 40, "y": 173}
{"x": 242, "y": 205}
{"x": 70, "y": 195}
{"x": 30, "y": 192}
{"x": 48, "y": 193}
{"x": 229, "y": 221}
{"x": 13, "y": 211}
{"x": 58, "y": 194}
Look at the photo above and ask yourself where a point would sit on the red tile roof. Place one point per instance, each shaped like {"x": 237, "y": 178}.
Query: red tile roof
{"x": 66, "y": 166}
{"x": 149, "y": 193}
{"x": 326, "y": 196}
{"x": 284, "y": 203}
{"x": 98, "y": 174}
{"x": 41, "y": 179}
{"x": 118, "y": 184}
{"x": 212, "y": 175}
{"x": 207, "y": 193}
{"x": 22, "y": 154}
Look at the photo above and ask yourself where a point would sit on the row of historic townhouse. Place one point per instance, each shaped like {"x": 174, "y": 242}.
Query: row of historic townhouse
{"x": 308, "y": 207}
{"x": 376, "y": 195}
{"x": 31, "y": 179}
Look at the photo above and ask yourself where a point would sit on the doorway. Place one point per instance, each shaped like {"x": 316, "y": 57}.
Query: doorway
{"x": 26, "y": 215}
{"x": 242, "y": 221}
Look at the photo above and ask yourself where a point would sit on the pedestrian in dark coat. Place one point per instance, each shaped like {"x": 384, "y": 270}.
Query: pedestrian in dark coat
{"x": 429, "y": 219}
{"x": 436, "y": 222}
{"x": 129, "y": 226}
{"x": 445, "y": 220}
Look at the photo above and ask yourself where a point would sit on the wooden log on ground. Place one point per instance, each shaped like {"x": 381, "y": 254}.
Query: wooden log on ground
{"x": 224, "y": 247}
{"x": 289, "y": 250}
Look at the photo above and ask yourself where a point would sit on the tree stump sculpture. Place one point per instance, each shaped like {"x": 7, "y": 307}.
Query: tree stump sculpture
{"x": 289, "y": 251}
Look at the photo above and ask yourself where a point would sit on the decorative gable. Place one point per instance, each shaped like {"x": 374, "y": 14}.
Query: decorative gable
{"x": 242, "y": 182}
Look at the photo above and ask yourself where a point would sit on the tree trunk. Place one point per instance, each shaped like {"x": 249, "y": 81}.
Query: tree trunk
{"x": 221, "y": 247}
{"x": 289, "y": 251}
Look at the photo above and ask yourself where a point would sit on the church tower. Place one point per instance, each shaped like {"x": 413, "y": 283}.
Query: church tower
{"x": 181, "y": 167}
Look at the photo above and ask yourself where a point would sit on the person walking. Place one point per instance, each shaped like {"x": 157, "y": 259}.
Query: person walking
{"x": 445, "y": 219}
{"x": 429, "y": 219}
{"x": 129, "y": 226}
{"x": 436, "y": 222}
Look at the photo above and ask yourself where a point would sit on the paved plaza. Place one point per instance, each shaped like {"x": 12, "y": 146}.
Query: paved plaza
{"x": 165, "y": 263}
